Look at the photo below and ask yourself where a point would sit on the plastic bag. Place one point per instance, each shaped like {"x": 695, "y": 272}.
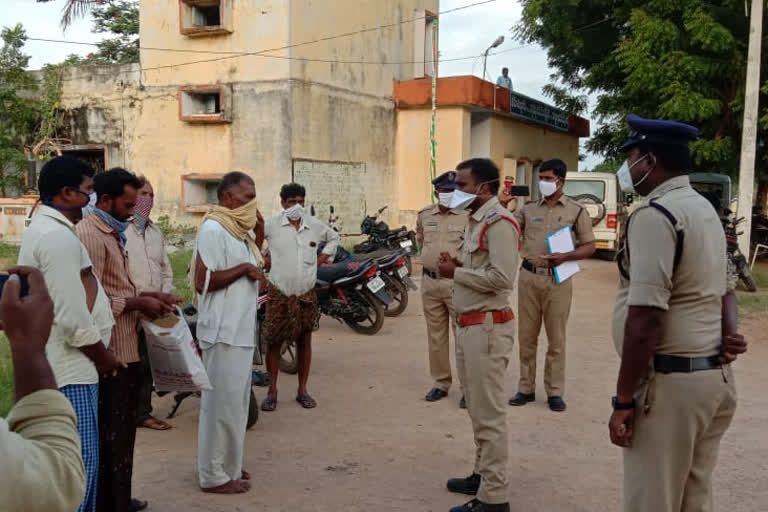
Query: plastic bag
{"x": 173, "y": 356}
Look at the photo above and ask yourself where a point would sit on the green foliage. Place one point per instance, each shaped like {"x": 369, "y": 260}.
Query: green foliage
{"x": 121, "y": 18}
{"x": 683, "y": 60}
{"x": 18, "y": 114}
{"x": 610, "y": 165}
{"x": 6, "y": 377}
{"x": 180, "y": 263}
{"x": 169, "y": 229}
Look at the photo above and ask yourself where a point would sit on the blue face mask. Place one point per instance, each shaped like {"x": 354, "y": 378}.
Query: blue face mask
{"x": 118, "y": 225}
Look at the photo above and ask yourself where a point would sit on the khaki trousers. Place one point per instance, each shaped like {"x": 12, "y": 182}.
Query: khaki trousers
{"x": 540, "y": 298}
{"x": 482, "y": 356}
{"x": 437, "y": 301}
{"x": 675, "y": 446}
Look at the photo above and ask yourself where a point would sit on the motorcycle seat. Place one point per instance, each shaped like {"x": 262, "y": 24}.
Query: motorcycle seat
{"x": 330, "y": 273}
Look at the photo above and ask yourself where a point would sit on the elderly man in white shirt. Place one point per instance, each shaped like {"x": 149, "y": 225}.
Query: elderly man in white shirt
{"x": 226, "y": 276}
{"x": 77, "y": 345}
{"x": 294, "y": 239}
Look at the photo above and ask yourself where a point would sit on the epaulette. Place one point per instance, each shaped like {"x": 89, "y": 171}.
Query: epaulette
{"x": 427, "y": 208}
{"x": 492, "y": 217}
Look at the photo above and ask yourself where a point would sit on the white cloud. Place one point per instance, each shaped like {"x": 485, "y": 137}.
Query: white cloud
{"x": 462, "y": 33}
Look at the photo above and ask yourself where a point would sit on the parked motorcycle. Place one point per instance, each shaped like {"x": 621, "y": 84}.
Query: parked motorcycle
{"x": 354, "y": 293}
{"x": 738, "y": 266}
{"x": 382, "y": 239}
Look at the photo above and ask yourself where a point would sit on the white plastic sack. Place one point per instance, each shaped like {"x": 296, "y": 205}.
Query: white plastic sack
{"x": 173, "y": 356}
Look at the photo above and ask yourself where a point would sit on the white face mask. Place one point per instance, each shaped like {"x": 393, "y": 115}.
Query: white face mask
{"x": 295, "y": 212}
{"x": 625, "y": 176}
{"x": 461, "y": 199}
{"x": 88, "y": 209}
{"x": 444, "y": 199}
{"x": 547, "y": 188}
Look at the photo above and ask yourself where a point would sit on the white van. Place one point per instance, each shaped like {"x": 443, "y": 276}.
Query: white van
{"x": 606, "y": 204}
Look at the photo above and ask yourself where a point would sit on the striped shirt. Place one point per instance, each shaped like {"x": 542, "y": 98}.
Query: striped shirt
{"x": 110, "y": 264}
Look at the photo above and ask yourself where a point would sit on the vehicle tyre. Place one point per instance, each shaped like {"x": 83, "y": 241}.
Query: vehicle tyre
{"x": 253, "y": 411}
{"x": 747, "y": 280}
{"x": 259, "y": 349}
{"x": 288, "y": 361}
{"x": 375, "y": 316}
{"x": 587, "y": 199}
{"x": 399, "y": 298}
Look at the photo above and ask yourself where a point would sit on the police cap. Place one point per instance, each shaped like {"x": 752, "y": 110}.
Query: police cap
{"x": 446, "y": 181}
{"x": 658, "y": 132}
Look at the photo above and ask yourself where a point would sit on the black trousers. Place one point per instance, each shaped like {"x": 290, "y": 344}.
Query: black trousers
{"x": 144, "y": 410}
{"x": 118, "y": 399}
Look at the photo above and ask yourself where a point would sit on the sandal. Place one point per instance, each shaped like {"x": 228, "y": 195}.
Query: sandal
{"x": 306, "y": 401}
{"x": 269, "y": 404}
{"x": 154, "y": 424}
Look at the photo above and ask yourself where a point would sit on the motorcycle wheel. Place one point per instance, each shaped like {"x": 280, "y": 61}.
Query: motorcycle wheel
{"x": 253, "y": 411}
{"x": 288, "y": 361}
{"x": 746, "y": 278}
{"x": 399, "y": 298}
{"x": 375, "y": 316}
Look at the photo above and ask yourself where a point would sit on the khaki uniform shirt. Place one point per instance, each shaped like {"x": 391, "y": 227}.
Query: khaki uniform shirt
{"x": 692, "y": 294}
{"x": 537, "y": 220}
{"x": 487, "y": 277}
{"x": 438, "y": 232}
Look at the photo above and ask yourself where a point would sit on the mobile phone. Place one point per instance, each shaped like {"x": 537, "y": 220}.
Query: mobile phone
{"x": 24, "y": 284}
{"x": 520, "y": 191}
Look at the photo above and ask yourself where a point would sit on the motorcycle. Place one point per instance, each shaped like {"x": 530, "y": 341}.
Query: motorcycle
{"x": 738, "y": 267}
{"x": 381, "y": 239}
{"x": 354, "y": 293}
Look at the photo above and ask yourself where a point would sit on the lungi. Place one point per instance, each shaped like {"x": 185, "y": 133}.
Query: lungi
{"x": 85, "y": 401}
{"x": 288, "y": 317}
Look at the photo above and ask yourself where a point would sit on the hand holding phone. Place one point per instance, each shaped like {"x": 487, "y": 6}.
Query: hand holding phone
{"x": 24, "y": 291}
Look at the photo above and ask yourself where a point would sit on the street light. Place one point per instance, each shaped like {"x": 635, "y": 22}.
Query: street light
{"x": 498, "y": 42}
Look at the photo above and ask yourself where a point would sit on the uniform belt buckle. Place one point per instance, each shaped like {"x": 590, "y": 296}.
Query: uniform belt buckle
{"x": 542, "y": 271}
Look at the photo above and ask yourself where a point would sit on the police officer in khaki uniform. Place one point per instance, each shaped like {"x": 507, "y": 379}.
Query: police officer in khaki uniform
{"x": 540, "y": 297}
{"x": 483, "y": 281}
{"x": 674, "y": 326}
{"x": 439, "y": 229}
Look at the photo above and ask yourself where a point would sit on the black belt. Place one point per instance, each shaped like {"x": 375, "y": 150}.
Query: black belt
{"x": 676, "y": 364}
{"x": 433, "y": 275}
{"x": 542, "y": 271}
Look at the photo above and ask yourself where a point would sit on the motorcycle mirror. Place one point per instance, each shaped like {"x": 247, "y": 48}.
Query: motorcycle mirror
{"x": 312, "y": 210}
{"x": 332, "y": 210}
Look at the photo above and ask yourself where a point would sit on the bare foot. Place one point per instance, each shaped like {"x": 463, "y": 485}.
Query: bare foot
{"x": 244, "y": 475}
{"x": 231, "y": 487}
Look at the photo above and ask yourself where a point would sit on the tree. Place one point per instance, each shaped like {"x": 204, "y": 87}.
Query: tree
{"x": 19, "y": 113}
{"x": 75, "y": 9}
{"x": 683, "y": 60}
{"x": 121, "y": 18}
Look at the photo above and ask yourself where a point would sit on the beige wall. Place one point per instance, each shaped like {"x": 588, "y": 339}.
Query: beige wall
{"x": 313, "y": 19}
{"x": 502, "y": 138}
{"x": 412, "y": 153}
{"x": 257, "y": 26}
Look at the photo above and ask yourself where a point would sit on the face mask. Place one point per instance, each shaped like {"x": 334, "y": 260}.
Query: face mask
{"x": 144, "y": 206}
{"x": 547, "y": 188}
{"x": 295, "y": 212}
{"x": 625, "y": 176}
{"x": 444, "y": 199}
{"x": 88, "y": 208}
{"x": 461, "y": 199}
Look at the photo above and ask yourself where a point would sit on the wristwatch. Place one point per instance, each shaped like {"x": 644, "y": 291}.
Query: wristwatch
{"x": 622, "y": 406}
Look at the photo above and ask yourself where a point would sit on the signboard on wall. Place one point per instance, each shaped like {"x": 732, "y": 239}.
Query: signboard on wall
{"x": 338, "y": 184}
{"x": 538, "y": 112}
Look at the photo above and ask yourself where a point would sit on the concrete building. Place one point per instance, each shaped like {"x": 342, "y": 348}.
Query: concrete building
{"x": 347, "y": 116}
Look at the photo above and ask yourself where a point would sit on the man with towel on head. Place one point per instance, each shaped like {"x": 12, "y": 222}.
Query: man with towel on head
{"x": 226, "y": 274}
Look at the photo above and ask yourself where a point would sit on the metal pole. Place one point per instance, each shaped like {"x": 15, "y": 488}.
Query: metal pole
{"x": 433, "y": 123}
{"x": 749, "y": 133}
{"x": 485, "y": 61}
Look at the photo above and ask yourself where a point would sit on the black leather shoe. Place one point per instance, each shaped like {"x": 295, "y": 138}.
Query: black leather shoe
{"x": 468, "y": 485}
{"x": 556, "y": 403}
{"x": 522, "y": 398}
{"x": 463, "y": 403}
{"x": 478, "y": 506}
{"x": 435, "y": 394}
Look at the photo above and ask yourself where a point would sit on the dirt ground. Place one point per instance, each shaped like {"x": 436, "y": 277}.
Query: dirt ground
{"x": 375, "y": 444}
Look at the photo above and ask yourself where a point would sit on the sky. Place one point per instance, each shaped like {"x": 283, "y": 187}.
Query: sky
{"x": 462, "y": 33}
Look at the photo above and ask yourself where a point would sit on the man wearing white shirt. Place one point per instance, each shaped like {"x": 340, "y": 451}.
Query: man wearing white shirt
{"x": 82, "y": 325}
{"x": 226, "y": 277}
{"x": 504, "y": 80}
{"x": 294, "y": 239}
